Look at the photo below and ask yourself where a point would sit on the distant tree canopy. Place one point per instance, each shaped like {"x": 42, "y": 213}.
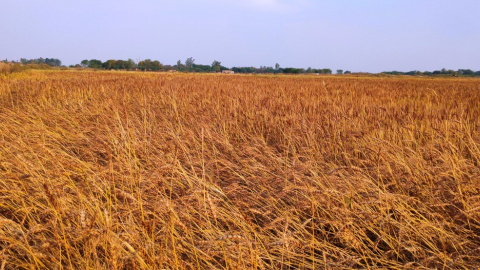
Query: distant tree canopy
{"x": 443, "y": 72}
{"x": 49, "y": 61}
{"x": 293, "y": 70}
{"x": 244, "y": 69}
{"x": 189, "y": 65}
{"x": 148, "y": 64}
{"x": 467, "y": 72}
{"x": 216, "y": 66}
{"x": 93, "y": 63}
{"x": 201, "y": 68}
{"x": 189, "y": 62}
{"x": 278, "y": 69}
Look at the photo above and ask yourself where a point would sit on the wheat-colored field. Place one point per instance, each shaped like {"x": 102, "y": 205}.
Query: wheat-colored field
{"x": 112, "y": 170}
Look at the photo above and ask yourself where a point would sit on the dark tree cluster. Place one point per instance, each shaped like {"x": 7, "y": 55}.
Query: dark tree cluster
{"x": 113, "y": 64}
{"x": 442, "y": 72}
{"x": 152, "y": 65}
{"x": 278, "y": 70}
{"x": 190, "y": 66}
{"x": 53, "y": 62}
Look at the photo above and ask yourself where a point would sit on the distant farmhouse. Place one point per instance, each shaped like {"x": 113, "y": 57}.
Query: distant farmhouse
{"x": 228, "y": 71}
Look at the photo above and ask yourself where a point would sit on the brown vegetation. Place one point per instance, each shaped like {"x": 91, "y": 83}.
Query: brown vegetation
{"x": 104, "y": 170}
{"x": 7, "y": 68}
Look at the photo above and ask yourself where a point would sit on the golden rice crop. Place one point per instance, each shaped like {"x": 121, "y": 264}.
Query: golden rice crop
{"x": 118, "y": 170}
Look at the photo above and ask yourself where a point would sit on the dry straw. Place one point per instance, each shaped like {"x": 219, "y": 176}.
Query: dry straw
{"x": 104, "y": 170}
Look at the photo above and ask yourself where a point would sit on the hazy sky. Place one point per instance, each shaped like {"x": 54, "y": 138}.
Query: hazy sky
{"x": 356, "y": 35}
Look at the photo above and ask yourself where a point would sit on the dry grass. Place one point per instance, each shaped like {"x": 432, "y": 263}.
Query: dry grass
{"x": 4, "y": 68}
{"x": 117, "y": 170}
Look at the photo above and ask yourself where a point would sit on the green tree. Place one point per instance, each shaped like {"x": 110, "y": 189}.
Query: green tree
{"x": 94, "y": 63}
{"x": 202, "y": 68}
{"x": 467, "y": 72}
{"x": 129, "y": 64}
{"x": 216, "y": 66}
{"x": 39, "y": 60}
{"x": 119, "y": 64}
{"x": 109, "y": 64}
{"x": 145, "y": 64}
{"x": 339, "y": 71}
{"x": 84, "y": 63}
{"x": 293, "y": 70}
{"x": 180, "y": 66}
{"x": 189, "y": 62}
{"x": 156, "y": 65}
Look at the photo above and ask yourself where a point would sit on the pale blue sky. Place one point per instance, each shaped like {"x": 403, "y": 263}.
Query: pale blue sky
{"x": 356, "y": 35}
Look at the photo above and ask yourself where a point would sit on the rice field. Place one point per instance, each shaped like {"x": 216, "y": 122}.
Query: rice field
{"x": 125, "y": 170}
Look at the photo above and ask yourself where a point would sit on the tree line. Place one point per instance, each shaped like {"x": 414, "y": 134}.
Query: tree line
{"x": 53, "y": 62}
{"x": 442, "y": 72}
{"x": 189, "y": 65}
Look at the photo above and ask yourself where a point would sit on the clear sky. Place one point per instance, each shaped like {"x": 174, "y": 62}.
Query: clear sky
{"x": 356, "y": 35}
